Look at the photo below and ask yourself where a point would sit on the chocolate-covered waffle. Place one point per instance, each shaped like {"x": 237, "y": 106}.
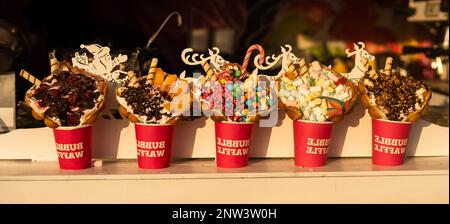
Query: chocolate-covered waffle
{"x": 67, "y": 97}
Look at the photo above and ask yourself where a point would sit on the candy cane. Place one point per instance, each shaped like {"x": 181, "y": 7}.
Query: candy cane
{"x": 249, "y": 53}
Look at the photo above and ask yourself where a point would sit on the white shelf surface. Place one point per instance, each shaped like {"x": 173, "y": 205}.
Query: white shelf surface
{"x": 344, "y": 180}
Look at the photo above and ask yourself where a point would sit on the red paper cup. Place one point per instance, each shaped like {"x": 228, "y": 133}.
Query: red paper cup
{"x": 154, "y": 145}
{"x": 311, "y": 141}
{"x": 74, "y": 147}
{"x": 389, "y": 142}
{"x": 232, "y": 144}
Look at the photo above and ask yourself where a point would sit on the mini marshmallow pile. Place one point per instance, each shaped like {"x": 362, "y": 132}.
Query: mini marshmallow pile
{"x": 312, "y": 92}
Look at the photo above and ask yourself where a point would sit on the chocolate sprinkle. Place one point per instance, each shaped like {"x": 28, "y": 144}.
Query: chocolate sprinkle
{"x": 395, "y": 94}
{"x": 146, "y": 100}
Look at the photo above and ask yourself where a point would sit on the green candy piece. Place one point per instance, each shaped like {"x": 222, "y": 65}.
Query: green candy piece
{"x": 237, "y": 73}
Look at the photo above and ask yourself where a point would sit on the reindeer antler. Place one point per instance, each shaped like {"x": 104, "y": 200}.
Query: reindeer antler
{"x": 356, "y": 47}
{"x": 362, "y": 45}
{"x": 289, "y": 47}
{"x": 192, "y": 59}
{"x": 269, "y": 64}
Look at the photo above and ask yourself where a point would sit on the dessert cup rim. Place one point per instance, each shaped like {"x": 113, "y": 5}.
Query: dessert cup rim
{"x": 314, "y": 122}
{"x": 234, "y": 122}
{"x": 73, "y": 127}
{"x": 143, "y": 124}
{"x": 396, "y": 122}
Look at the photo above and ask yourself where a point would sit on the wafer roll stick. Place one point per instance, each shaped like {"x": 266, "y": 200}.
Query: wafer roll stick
{"x": 209, "y": 72}
{"x": 53, "y": 61}
{"x": 373, "y": 74}
{"x": 152, "y": 71}
{"x": 30, "y": 78}
{"x": 207, "y": 68}
{"x": 292, "y": 68}
{"x": 132, "y": 77}
{"x": 388, "y": 66}
{"x": 365, "y": 62}
{"x": 303, "y": 67}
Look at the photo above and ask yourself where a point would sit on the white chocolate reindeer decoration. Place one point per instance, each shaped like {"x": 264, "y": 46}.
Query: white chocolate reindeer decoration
{"x": 362, "y": 57}
{"x": 287, "y": 59}
{"x": 214, "y": 59}
{"x": 102, "y": 64}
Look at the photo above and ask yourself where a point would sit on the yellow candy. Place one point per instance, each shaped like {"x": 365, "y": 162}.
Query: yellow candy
{"x": 315, "y": 94}
{"x": 317, "y": 101}
{"x": 263, "y": 101}
{"x": 305, "y": 80}
{"x": 324, "y": 105}
{"x": 330, "y": 89}
{"x": 222, "y": 81}
{"x": 320, "y": 82}
{"x": 245, "y": 112}
{"x": 308, "y": 97}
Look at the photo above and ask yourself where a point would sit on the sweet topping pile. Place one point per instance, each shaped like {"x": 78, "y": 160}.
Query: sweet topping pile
{"x": 316, "y": 93}
{"x": 395, "y": 95}
{"x": 147, "y": 101}
{"x": 66, "y": 97}
{"x": 233, "y": 91}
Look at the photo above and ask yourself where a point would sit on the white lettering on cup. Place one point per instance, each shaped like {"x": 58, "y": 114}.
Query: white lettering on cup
{"x": 394, "y": 146}
{"x": 317, "y": 146}
{"x": 232, "y": 147}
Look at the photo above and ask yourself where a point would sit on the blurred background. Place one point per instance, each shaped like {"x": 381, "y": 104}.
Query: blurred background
{"x": 415, "y": 33}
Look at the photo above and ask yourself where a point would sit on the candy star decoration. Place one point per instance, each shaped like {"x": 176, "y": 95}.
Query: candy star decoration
{"x": 362, "y": 57}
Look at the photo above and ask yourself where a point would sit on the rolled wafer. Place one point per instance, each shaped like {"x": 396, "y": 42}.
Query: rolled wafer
{"x": 152, "y": 71}
{"x": 30, "y": 77}
{"x": 53, "y": 61}
{"x": 365, "y": 63}
{"x": 303, "y": 67}
{"x": 207, "y": 68}
{"x": 292, "y": 69}
{"x": 388, "y": 65}
{"x": 133, "y": 78}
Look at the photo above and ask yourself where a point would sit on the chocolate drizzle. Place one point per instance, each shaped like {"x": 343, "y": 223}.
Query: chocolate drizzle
{"x": 67, "y": 96}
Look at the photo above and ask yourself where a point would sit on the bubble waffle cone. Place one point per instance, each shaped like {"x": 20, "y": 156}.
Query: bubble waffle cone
{"x": 168, "y": 85}
{"x": 389, "y": 96}
{"x": 51, "y": 83}
{"x": 227, "y": 78}
{"x": 316, "y": 93}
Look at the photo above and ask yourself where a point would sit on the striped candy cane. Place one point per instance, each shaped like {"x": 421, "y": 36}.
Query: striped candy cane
{"x": 249, "y": 53}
